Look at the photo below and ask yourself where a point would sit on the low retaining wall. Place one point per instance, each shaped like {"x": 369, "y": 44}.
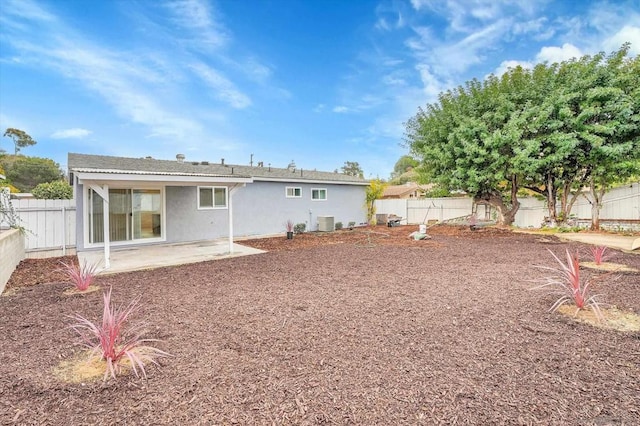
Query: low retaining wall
{"x": 11, "y": 253}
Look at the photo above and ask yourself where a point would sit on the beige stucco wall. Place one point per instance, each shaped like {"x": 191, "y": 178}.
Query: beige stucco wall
{"x": 11, "y": 253}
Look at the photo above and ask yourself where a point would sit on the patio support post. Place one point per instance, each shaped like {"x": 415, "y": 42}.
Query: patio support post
{"x": 103, "y": 192}
{"x": 232, "y": 190}
{"x": 107, "y": 240}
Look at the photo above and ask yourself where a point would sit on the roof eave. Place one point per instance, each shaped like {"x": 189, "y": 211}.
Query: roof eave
{"x": 176, "y": 178}
{"x": 314, "y": 181}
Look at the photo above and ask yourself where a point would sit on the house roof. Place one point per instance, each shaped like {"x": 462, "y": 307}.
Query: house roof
{"x": 398, "y": 191}
{"x": 107, "y": 166}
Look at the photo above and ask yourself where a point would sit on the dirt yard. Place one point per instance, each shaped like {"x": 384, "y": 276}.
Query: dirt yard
{"x": 351, "y": 327}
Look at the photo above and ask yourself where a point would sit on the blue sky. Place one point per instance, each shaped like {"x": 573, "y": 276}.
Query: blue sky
{"x": 319, "y": 82}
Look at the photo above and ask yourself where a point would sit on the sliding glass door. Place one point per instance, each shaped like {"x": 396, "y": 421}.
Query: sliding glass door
{"x": 134, "y": 214}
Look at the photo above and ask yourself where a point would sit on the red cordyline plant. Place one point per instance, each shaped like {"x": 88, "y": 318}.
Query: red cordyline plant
{"x": 566, "y": 279}
{"x": 116, "y": 340}
{"x": 289, "y": 225}
{"x": 81, "y": 276}
{"x": 598, "y": 253}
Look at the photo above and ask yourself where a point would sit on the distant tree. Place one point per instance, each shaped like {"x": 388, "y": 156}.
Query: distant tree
{"x": 405, "y": 164}
{"x": 352, "y": 168}
{"x": 20, "y": 139}
{"x": 404, "y": 171}
{"x": 25, "y": 173}
{"x": 374, "y": 192}
{"x": 56, "y": 190}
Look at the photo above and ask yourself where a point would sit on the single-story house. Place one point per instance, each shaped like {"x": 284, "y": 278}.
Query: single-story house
{"x": 408, "y": 190}
{"x": 171, "y": 201}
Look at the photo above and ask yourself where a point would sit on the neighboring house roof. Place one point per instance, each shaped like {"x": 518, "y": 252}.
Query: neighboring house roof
{"x": 107, "y": 165}
{"x": 405, "y": 191}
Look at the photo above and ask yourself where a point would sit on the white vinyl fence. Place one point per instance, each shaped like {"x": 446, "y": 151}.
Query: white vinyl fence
{"x": 50, "y": 224}
{"x": 621, "y": 209}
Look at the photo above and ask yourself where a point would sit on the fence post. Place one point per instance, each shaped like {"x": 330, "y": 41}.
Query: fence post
{"x": 64, "y": 231}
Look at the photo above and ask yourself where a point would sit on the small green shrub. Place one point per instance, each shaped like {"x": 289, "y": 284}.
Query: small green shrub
{"x": 57, "y": 190}
{"x": 299, "y": 228}
{"x": 338, "y": 226}
{"x": 351, "y": 225}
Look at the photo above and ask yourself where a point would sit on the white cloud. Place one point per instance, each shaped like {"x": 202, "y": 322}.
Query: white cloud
{"x": 340, "y": 109}
{"x": 195, "y": 16}
{"x": 506, "y": 65}
{"x": 319, "y": 108}
{"x": 223, "y": 88}
{"x": 75, "y": 133}
{"x": 256, "y": 71}
{"x": 629, "y": 34}
{"x": 420, "y": 4}
{"x": 389, "y": 17}
{"x": 465, "y": 16}
{"x": 27, "y": 9}
{"x": 553, "y": 54}
{"x": 431, "y": 85}
{"x": 394, "y": 79}
{"x": 458, "y": 57}
{"x": 127, "y": 83}
{"x": 382, "y": 24}
{"x": 538, "y": 28}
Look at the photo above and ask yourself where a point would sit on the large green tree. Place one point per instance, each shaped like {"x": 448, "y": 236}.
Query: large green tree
{"x": 20, "y": 139}
{"x": 584, "y": 131}
{"x": 552, "y": 129}
{"x": 466, "y": 140}
{"x": 25, "y": 173}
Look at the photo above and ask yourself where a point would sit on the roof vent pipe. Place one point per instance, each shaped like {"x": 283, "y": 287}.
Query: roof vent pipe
{"x": 222, "y": 161}
{"x": 180, "y": 158}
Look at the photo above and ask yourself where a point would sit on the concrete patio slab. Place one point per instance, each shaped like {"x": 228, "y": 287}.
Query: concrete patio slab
{"x": 155, "y": 256}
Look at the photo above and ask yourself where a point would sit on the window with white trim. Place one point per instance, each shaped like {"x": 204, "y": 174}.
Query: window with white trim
{"x": 318, "y": 194}
{"x": 293, "y": 192}
{"x": 212, "y": 197}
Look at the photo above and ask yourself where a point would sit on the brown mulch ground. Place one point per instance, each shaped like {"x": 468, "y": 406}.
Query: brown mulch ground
{"x": 351, "y": 327}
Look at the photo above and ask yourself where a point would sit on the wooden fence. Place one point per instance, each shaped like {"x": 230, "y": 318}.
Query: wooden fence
{"x": 620, "y": 210}
{"x": 50, "y": 225}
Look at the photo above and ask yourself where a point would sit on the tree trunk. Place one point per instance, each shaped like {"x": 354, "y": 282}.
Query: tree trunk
{"x": 551, "y": 201}
{"x": 596, "y": 205}
{"x": 506, "y": 214}
{"x": 595, "y": 217}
